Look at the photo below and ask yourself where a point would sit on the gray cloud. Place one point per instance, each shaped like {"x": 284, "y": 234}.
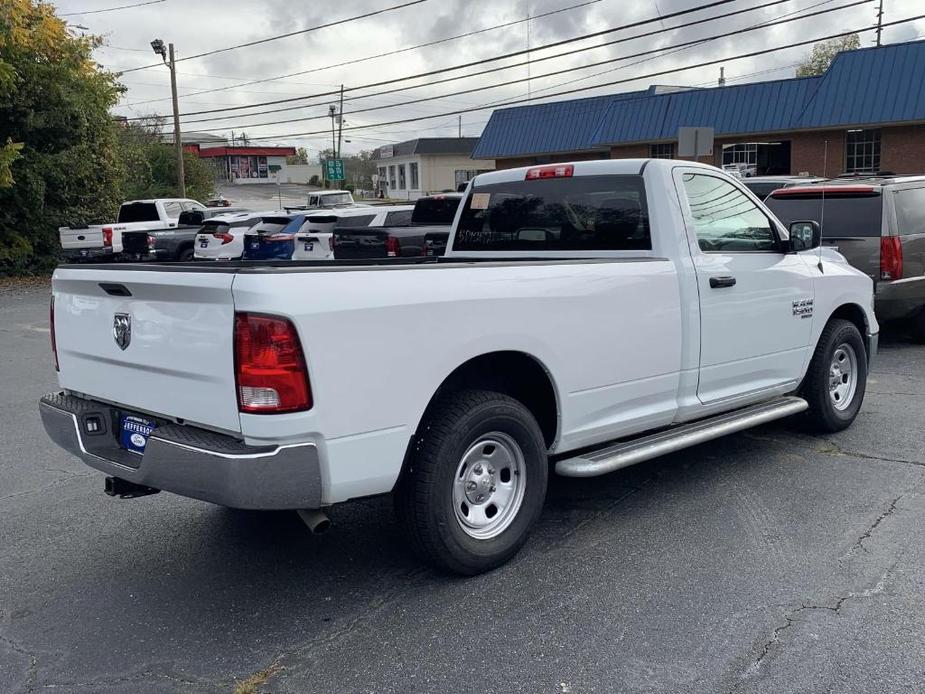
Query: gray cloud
{"x": 201, "y": 26}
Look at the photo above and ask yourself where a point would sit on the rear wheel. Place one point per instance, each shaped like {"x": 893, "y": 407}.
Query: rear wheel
{"x": 475, "y": 484}
{"x": 185, "y": 255}
{"x": 837, "y": 378}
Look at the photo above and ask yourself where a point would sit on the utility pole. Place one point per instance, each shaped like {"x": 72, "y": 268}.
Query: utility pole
{"x": 459, "y": 128}
{"x": 340, "y": 123}
{"x": 529, "y": 96}
{"x": 879, "y": 23}
{"x": 722, "y": 77}
{"x": 168, "y": 57}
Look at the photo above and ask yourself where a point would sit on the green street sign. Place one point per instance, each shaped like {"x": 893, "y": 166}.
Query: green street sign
{"x": 334, "y": 169}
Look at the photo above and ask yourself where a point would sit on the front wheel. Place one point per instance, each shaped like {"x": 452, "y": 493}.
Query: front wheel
{"x": 837, "y": 378}
{"x": 475, "y": 484}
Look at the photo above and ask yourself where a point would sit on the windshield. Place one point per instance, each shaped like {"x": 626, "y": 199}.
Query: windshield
{"x": 565, "y": 214}
{"x": 137, "y": 212}
{"x": 333, "y": 199}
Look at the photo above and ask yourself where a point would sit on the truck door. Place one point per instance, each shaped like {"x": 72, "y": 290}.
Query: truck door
{"x": 755, "y": 300}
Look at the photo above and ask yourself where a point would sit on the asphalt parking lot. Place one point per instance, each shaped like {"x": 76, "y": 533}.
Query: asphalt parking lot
{"x": 769, "y": 561}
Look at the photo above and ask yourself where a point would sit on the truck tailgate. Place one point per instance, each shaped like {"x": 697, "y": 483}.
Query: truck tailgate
{"x": 178, "y": 361}
{"x": 87, "y": 237}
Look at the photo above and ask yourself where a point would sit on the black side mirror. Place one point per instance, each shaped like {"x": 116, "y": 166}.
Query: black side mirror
{"x": 804, "y": 236}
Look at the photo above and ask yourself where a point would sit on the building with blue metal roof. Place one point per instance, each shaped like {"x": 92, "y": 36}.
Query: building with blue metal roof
{"x": 865, "y": 113}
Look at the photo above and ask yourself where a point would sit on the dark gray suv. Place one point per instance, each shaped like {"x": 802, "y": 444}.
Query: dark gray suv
{"x": 878, "y": 224}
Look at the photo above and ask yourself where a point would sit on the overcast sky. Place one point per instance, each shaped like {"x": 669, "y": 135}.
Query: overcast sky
{"x": 203, "y": 25}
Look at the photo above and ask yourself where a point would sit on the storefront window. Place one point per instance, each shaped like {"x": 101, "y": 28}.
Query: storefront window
{"x": 401, "y": 177}
{"x": 663, "y": 150}
{"x": 413, "y": 170}
{"x": 392, "y": 180}
{"x": 862, "y": 151}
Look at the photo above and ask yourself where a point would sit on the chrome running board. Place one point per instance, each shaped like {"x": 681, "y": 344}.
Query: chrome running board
{"x": 626, "y": 453}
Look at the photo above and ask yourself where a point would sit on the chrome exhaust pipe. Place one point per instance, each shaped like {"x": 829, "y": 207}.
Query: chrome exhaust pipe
{"x": 316, "y": 520}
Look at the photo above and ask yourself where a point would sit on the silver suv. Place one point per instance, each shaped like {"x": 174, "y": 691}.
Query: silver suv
{"x": 878, "y": 224}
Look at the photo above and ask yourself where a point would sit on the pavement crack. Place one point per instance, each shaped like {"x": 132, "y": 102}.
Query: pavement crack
{"x": 33, "y": 667}
{"x": 793, "y": 617}
{"x": 891, "y": 509}
{"x": 835, "y": 449}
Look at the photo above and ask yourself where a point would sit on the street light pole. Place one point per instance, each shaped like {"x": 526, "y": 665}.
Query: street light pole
{"x": 166, "y": 53}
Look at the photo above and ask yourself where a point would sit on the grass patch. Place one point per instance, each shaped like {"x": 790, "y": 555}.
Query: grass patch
{"x": 253, "y": 683}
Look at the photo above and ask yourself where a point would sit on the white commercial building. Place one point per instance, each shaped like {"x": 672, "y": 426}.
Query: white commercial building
{"x": 408, "y": 170}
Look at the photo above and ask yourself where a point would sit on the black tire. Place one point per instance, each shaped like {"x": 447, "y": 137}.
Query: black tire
{"x": 186, "y": 255}
{"x": 424, "y": 497}
{"x": 823, "y": 414}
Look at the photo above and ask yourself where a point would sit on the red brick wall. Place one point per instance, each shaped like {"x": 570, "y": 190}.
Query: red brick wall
{"x": 629, "y": 152}
{"x": 902, "y": 149}
{"x": 514, "y": 162}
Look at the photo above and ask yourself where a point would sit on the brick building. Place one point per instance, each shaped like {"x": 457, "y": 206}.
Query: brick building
{"x": 865, "y": 114}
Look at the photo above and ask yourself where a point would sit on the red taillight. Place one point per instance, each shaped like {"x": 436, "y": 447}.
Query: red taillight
{"x": 331, "y": 242}
{"x": 224, "y": 238}
{"x": 270, "y": 370}
{"x": 891, "y": 258}
{"x": 554, "y": 171}
{"x": 107, "y": 236}
{"x": 392, "y": 247}
{"x": 51, "y": 325}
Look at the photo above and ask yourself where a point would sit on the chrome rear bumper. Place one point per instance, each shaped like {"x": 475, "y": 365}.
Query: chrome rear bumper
{"x": 188, "y": 461}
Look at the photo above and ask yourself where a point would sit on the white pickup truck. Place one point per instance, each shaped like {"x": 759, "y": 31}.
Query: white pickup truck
{"x": 105, "y": 240}
{"x": 593, "y": 315}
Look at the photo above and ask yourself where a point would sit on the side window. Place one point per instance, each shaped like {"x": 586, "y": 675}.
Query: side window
{"x": 910, "y": 211}
{"x": 401, "y": 218}
{"x": 725, "y": 219}
{"x": 172, "y": 209}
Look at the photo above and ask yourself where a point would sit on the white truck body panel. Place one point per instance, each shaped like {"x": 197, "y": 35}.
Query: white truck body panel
{"x": 631, "y": 340}
{"x": 179, "y": 363}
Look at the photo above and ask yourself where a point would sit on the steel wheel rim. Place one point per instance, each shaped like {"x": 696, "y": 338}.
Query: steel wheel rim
{"x": 843, "y": 376}
{"x": 489, "y": 485}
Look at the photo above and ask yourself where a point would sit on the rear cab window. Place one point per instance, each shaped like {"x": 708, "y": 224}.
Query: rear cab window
{"x": 402, "y": 218}
{"x": 854, "y": 211}
{"x": 360, "y": 220}
{"x": 439, "y": 210}
{"x": 580, "y": 213}
{"x": 138, "y": 212}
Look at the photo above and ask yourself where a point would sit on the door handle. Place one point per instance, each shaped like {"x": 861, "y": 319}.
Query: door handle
{"x": 720, "y": 282}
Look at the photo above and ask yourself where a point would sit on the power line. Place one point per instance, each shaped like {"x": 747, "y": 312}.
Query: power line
{"x": 381, "y": 55}
{"x": 612, "y": 83}
{"x": 671, "y": 48}
{"x": 429, "y": 73}
{"x": 111, "y": 9}
{"x": 283, "y": 36}
{"x": 529, "y": 61}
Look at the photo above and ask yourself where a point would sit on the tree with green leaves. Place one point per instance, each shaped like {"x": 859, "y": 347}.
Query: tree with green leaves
{"x": 300, "y": 156}
{"x": 58, "y": 157}
{"x": 149, "y": 164}
{"x": 824, "y": 53}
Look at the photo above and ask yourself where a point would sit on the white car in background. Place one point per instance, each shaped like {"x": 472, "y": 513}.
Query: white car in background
{"x": 315, "y": 239}
{"x": 222, "y": 237}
